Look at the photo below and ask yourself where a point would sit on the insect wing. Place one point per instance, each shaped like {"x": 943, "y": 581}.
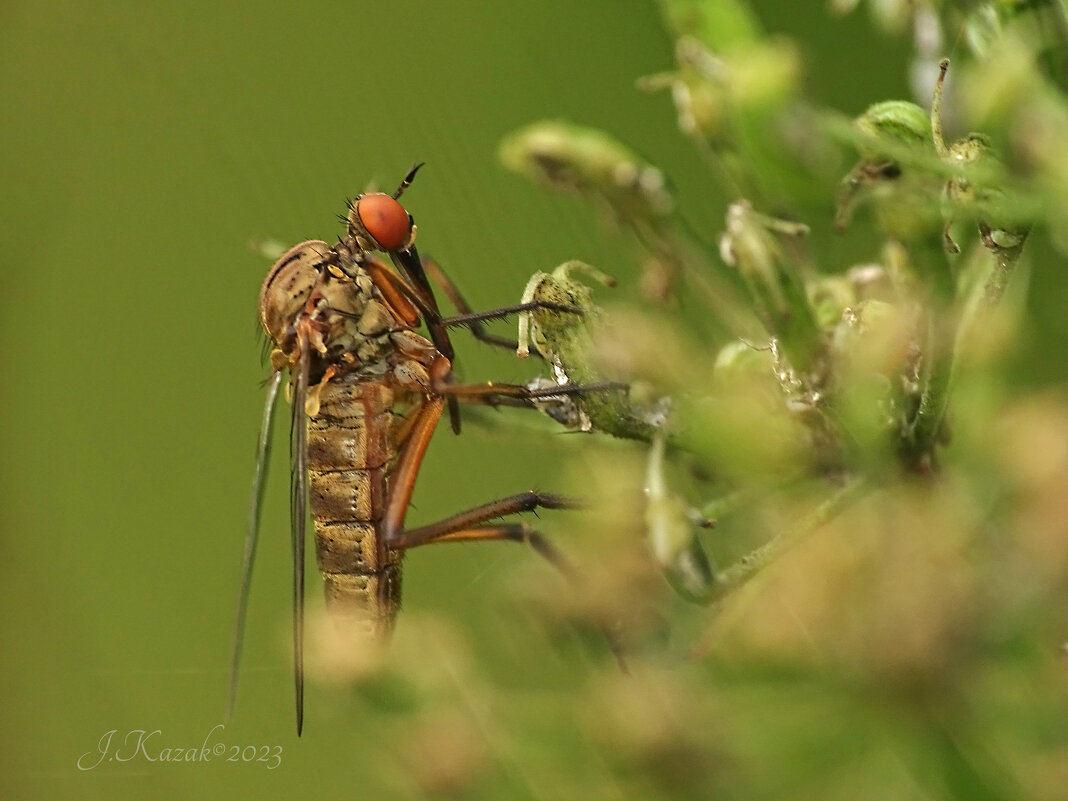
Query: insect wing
{"x": 252, "y": 531}
{"x": 298, "y": 515}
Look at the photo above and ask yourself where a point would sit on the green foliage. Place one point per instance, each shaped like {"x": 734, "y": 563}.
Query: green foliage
{"x": 888, "y": 612}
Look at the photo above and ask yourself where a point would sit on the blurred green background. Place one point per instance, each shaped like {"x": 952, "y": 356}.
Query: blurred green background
{"x": 141, "y": 148}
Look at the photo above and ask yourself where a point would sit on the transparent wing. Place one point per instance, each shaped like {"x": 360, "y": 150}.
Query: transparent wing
{"x": 252, "y": 531}
{"x": 298, "y": 516}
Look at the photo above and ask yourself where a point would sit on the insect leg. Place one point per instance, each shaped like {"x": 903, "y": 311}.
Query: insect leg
{"x": 467, "y": 527}
{"x": 402, "y": 483}
{"x": 507, "y": 532}
{"x": 394, "y": 291}
{"x": 452, "y": 292}
{"x": 464, "y": 523}
{"x": 473, "y": 320}
{"x": 491, "y": 392}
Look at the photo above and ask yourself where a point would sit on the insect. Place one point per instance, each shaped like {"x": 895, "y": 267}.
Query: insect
{"x": 367, "y": 394}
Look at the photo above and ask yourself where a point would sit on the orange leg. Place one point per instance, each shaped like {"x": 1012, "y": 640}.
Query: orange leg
{"x": 471, "y": 525}
{"x": 407, "y": 470}
{"x": 394, "y": 291}
{"x": 466, "y": 526}
{"x": 463, "y": 526}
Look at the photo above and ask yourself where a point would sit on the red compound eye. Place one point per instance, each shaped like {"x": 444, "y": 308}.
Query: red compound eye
{"x": 385, "y": 219}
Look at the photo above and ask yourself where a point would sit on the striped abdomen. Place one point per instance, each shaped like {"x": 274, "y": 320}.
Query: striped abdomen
{"x": 350, "y": 452}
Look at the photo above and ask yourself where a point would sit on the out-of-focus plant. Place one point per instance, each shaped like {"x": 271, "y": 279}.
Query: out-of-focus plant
{"x": 835, "y": 541}
{"x": 844, "y": 425}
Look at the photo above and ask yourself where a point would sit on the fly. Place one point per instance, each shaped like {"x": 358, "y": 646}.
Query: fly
{"x": 367, "y": 393}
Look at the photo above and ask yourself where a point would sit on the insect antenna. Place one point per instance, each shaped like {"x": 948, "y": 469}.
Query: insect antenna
{"x": 408, "y": 179}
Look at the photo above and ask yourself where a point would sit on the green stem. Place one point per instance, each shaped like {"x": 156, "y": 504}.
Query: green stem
{"x": 753, "y": 562}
